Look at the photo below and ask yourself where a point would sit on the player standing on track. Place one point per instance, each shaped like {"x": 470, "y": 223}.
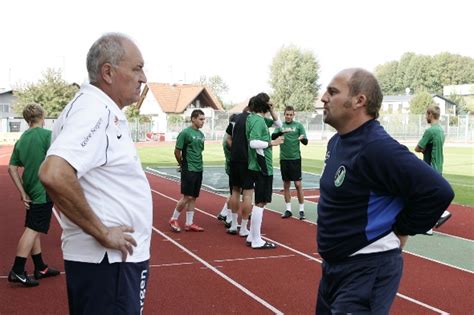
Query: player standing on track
{"x": 29, "y": 152}
{"x": 260, "y": 165}
{"x": 188, "y": 154}
{"x": 226, "y": 213}
{"x": 94, "y": 175}
{"x": 431, "y": 145}
{"x": 290, "y": 159}
{"x": 374, "y": 194}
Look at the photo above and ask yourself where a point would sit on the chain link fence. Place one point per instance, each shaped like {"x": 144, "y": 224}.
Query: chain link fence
{"x": 400, "y": 126}
{"x": 403, "y": 127}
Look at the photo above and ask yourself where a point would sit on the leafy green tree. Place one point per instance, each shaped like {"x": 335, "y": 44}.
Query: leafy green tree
{"x": 420, "y": 102}
{"x": 293, "y": 76}
{"x": 427, "y": 72}
{"x": 461, "y": 105}
{"x": 453, "y": 69}
{"x": 419, "y": 74}
{"x": 174, "y": 119}
{"x": 216, "y": 84}
{"x": 400, "y": 83}
{"x": 385, "y": 74}
{"x": 132, "y": 113}
{"x": 52, "y": 92}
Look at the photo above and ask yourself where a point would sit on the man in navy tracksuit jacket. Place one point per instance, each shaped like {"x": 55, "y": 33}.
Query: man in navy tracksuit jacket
{"x": 374, "y": 193}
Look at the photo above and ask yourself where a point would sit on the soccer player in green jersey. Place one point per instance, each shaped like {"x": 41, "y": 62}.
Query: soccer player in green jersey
{"x": 290, "y": 159}
{"x": 431, "y": 145}
{"x": 260, "y": 165}
{"x": 188, "y": 154}
{"x": 29, "y": 152}
{"x": 226, "y": 213}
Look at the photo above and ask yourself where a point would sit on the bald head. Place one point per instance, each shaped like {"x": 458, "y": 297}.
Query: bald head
{"x": 361, "y": 81}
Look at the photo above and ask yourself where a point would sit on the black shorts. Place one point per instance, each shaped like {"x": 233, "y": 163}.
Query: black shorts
{"x": 263, "y": 187}
{"x": 290, "y": 170}
{"x": 241, "y": 176}
{"x": 106, "y": 288}
{"x": 191, "y": 183}
{"x": 38, "y": 217}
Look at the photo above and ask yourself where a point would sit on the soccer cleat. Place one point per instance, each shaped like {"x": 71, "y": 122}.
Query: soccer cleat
{"x": 228, "y": 224}
{"x": 221, "y": 217}
{"x": 429, "y": 232}
{"x": 46, "y": 273}
{"x": 287, "y": 214}
{"x": 302, "y": 217}
{"x": 193, "y": 228}
{"x": 22, "y": 278}
{"x": 266, "y": 245}
{"x": 174, "y": 225}
{"x": 444, "y": 217}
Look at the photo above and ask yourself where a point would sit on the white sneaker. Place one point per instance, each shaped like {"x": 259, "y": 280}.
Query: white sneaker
{"x": 429, "y": 232}
{"x": 444, "y": 217}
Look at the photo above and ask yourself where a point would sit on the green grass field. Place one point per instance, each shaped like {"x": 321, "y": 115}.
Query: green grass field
{"x": 458, "y": 163}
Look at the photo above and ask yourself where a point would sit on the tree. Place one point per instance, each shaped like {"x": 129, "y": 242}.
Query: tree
{"x": 216, "y": 84}
{"x": 132, "y": 113}
{"x": 385, "y": 74}
{"x": 420, "y": 102}
{"x": 52, "y": 92}
{"x": 428, "y": 72}
{"x": 293, "y": 77}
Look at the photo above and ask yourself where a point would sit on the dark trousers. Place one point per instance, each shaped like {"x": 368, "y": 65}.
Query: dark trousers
{"x": 362, "y": 284}
{"x": 106, "y": 288}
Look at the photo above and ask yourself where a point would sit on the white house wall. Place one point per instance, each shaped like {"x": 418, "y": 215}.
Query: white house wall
{"x": 151, "y": 107}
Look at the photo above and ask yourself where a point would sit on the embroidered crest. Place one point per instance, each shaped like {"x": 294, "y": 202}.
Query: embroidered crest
{"x": 340, "y": 175}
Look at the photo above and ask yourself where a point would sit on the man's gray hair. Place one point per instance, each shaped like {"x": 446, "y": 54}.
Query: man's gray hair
{"x": 107, "y": 49}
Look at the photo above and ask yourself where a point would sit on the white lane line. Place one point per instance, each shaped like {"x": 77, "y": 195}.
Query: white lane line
{"x": 434, "y": 309}
{"x": 304, "y": 254}
{"x": 454, "y": 236}
{"x": 172, "y": 264}
{"x": 253, "y": 258}
{"x": 221, "y": 274}
{"x": 439, "y": 262}
{"x": 225, "y": 260}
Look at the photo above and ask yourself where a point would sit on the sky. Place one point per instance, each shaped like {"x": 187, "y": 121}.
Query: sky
{"x": 235, "y": 39}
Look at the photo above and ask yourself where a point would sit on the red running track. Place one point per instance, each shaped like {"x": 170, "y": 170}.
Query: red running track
{"x": 215, "y": 273}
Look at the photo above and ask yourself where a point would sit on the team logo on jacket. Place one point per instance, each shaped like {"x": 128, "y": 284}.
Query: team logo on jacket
{"x": 340, "y": 175}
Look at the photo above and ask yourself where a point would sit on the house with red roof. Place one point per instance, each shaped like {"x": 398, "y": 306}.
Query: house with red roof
{"x": 159, "y": 100}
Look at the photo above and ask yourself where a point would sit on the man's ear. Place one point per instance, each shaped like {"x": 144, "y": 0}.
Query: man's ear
{"x": 360, "y": 101}
{"x": 106, "y": 72}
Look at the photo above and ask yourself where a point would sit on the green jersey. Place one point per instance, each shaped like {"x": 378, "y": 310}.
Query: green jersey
{"x": 29, "y": 152}
{"x": 432, "y": 144}
{"x": 191, "y": 143}
{"x": 290, "y": 149}
{"x": 226, "y": 149}
{"x": 260, "y": 160}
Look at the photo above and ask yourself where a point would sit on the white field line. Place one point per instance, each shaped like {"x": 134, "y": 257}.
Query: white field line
{"x": 305, "y": 255}
{"x": 226, "y": 260}
{"x": 318, "y": 260}
{"x": 434, "y": 309}
{"x": 454, "y": 236}
{"x": 439, "y": 262}
{"x": 221, "y": 274}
